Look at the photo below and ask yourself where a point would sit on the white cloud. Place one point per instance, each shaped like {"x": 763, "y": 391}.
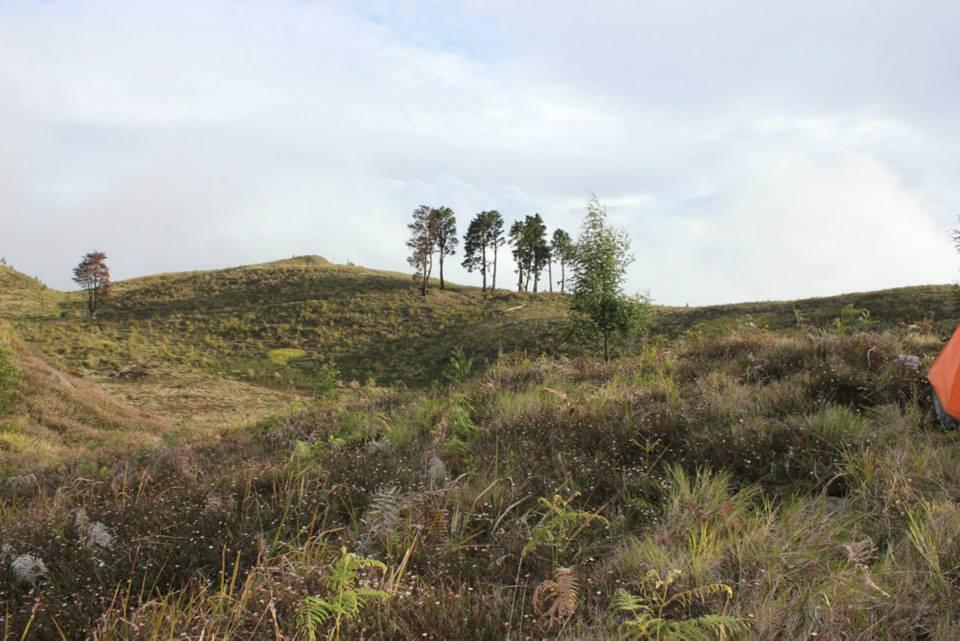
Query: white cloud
{"x": 801, "y": 226}
{"x": 752, "y": 152}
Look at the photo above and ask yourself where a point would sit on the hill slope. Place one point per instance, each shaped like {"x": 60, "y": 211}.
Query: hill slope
{"x": 278, "y": 324}
{"x": 23, "y": 296}
{"x": 48, "y": 417}
{"x": 935, "y": 306}
{"x": 234, "y": 322}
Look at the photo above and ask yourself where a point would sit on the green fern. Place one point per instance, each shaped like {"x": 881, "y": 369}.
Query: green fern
{"x": 459, "y": 367}
{"x": 347, "y": 600}
{"x": 559, "y": 526}
{"x": 658, "y": 612}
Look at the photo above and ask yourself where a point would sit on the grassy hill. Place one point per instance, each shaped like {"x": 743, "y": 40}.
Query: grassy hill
{"x": 279, "y": 323}
{"x": 749, "y": 473}
{"x": 22, "y": 296}
{"x": 934, "y": 306}
{"x": 49, "y": 418}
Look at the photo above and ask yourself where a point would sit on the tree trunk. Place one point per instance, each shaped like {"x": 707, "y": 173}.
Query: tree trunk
{"x": 519, "y": 278}
{"x": 493, "y": 285}
{"x": 441, "y": 269}
{"x": 563, "y": 277}
{"x": 483, "y": 266}
{"x": 606, "y": 349}
{"x": 550, "y": 275}
{"x": 427, "y": 269}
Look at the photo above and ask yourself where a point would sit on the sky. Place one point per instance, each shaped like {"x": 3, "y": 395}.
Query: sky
{"x": 753, "y": 150}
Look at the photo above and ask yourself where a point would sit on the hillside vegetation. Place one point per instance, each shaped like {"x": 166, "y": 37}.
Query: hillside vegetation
{"x": 750, "y": 486}
{"x": 186, "y": 468}
{"x": 929, "y": 306}
{"x": 370, "y": 324}
{"x": 48, "y": 417}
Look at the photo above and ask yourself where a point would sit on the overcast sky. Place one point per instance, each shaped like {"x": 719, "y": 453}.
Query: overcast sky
{"x": 758, "y": 149}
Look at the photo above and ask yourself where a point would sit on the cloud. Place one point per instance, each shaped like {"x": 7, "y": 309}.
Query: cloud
{"x": 802, "y": 225}
{"x": 755, "y": 151}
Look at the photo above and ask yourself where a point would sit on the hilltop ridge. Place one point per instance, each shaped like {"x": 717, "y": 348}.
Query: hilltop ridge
{"x": 371, "y": 324}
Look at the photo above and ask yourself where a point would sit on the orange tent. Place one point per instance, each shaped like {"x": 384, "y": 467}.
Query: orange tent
{"x": 944, "y": 376}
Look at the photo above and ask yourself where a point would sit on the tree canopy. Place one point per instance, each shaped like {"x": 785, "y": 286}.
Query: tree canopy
{"x": 531, "y": 252}
{"x": 446, "y": 236}
{"x": 562, "y": 248}
{"x": 432, "y": 231}
{"x": 480, "y": 243}
{"x": 93, "y": 275}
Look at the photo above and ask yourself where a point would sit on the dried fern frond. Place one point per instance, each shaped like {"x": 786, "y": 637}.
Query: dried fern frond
{"x": 440, "y": 430}
{"x": 383, "y": 514}
{"x": 556, "y": 599}
{"x": 435, "y": 521}
{"x": 861, "y": 553}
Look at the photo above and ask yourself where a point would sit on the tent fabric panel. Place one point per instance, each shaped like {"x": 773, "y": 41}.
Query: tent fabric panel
{"x": 944, "y": 375}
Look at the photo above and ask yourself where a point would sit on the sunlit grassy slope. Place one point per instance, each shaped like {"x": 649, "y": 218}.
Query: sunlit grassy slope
{"x": 232, "y": 323}
{"x": 49, "y": 417}
{"x": 371, "y": 324}
{"x": 22, "y": 296}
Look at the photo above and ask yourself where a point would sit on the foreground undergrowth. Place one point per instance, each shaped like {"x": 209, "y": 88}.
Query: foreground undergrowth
{"x": 751, "y": 486}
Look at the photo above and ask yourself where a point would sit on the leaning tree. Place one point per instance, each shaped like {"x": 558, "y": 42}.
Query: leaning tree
{"x": 422, "y": 244}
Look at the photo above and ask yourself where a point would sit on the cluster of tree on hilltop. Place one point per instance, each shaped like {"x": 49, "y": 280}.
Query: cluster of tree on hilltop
{"x": 600, "y": 257}
{"x": 433, "y": 237}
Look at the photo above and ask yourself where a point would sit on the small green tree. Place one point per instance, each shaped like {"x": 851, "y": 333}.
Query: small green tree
{"x": 93, "y": 275}
{"x": 433, "y": 231}
{"x": 540, "y": 248}
{"x": 520, "y": 251}
{"x": 599, "y": 305}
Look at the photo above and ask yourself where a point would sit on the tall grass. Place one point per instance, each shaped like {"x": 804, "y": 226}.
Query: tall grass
{"x": 746, "y": 486}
